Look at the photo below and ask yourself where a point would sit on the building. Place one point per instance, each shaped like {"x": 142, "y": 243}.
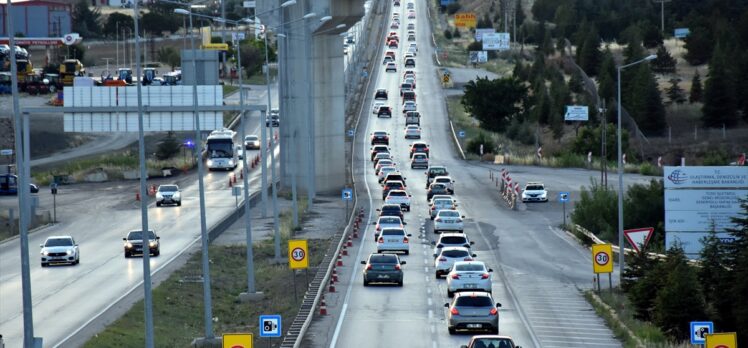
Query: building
{"x": 38, "y": 18}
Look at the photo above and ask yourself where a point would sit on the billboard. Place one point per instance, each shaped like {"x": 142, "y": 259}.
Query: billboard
{"x": 478, "y": 56}
{"x": 699, "y": 199}
{"x": 465, "y": 20}
{"x": 480, "y": 31}
{"x": 495, "y": 41}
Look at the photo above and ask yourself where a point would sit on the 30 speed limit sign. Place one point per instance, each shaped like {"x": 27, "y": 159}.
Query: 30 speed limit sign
{"x": 602, "y": 260}
{"x": 298, "y": 254}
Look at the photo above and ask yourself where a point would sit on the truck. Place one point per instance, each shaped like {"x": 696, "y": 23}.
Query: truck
{"x": 69, "y": 69}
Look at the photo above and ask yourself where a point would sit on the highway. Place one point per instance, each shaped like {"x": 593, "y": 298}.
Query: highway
{"x": 66, "y": 297}
{"x": 539, "y": 270}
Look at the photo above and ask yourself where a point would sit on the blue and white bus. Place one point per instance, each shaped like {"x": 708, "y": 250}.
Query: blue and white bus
{"x": 221, "y": 151}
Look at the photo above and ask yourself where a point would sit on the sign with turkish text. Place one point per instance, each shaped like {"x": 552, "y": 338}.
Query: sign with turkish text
{"x": 480, "y": 31}
{"x": 496, "y": 41}
{"x": 465, "y": 20}
{"x": 576, "y": 113}
{"x": 478, "y": 56}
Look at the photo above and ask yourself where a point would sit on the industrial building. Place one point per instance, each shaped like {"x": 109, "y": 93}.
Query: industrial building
{"x": 37, "y": 18}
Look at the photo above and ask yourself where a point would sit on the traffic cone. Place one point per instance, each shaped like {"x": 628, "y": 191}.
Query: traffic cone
{"x": 340, "y": 259}
{"x": 241, "y": 174}
{"x": 233, "y": 177}
{"x": 355, "y": 232}
{"x": 350, "y": 240}
{"x": 331, "y": 288}
{"x": 322, "y": 306}
{"x": 361, "y": 212}
{"x": 334, "y": 278}
{"x": 137, "y": 196}
{"x": 345, "y": 250}
{"x": 231, "y": 184}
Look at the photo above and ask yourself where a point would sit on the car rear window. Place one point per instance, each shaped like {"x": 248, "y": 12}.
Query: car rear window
{"x": 455, "y": 253}
{"x": 477, "y": 301}
{"x": 383, "y": 259}
{"x": 393, "y": 232}
{"x": 470, "y": 267}
{"x": 380, "y": 133}
{"x": 389, "y": 221}
{"x": 398, "y": 193}
{"x": 453, "y": 240}
{"x": 449, "y": 213}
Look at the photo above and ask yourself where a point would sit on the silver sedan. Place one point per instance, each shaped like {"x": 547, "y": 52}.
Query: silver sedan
{"x": 469, "y": 276}
{"x": 448, "y": 220}
{"x": 473, "y": 311}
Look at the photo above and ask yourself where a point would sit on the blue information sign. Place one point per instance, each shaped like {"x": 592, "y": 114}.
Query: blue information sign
{"x": 681, "y": 33}
{"x": 699, "y": 330}
{"x": 461, "y": 134}
{"x": 563, "y": 197}
{"x": 351, "y": 132}
{"x": 347, "y": 194}
{"x": 270, "y": 325}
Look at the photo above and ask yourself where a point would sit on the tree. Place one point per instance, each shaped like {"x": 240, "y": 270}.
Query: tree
{"x": 675, "y": 94}
{"x": 720, "y": 106}
{"x": 170, "y": 56}
{"x": 495, "y": 102}
{"x": 664, "y": 63}
{"x": 696, "y": 91}
{"x": 588, "y": 55}
{"x": 680, "y": 300}
{"x": 560, "y": 98}
{"x": 716, "y": 281}
{"x": 737, "y": 259}
{"x": 541, "y": 110}
{"x": 645, "y": 103}
{"x": 473, "y": 145}
{"x": 699, "y": 46}
{"x": 637, "y": 213}
{"x": 86, "y": 21}
{"x": 650, "y": 34}
{"x": 565, "y": 20}
{"x": 117, "y": 20}
{"x": 589, "y": 139}
{"x": 606, "y": 78}
{"x": 448, "y": 34}
{"x": 168, "y": 147}
{"x": 576, "y": 83}
{"x": 637, "y": 267}
{"x": 633, "y": 51}
{"x": 519, "y": 13}
{"x": 156, "y": 23}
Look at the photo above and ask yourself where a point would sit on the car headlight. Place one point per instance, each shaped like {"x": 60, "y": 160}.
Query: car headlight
{"x": 524, "y": 194}
{"x": 128, "y": 245}
{"x": 543, "y": 194}
{"x": 176, "y": 195}
{"x": 152, "y": 243}
{"x": 45, "y": 252}
{"x": 257, "y": 143}
{"x": 70, "y": 252}
{"x": 210, "y": 162}
{"x": 159, "y": 195}
{"x": 231, "y": 162}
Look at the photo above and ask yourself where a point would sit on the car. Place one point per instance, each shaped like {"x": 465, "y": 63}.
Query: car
{"x": 134, "y": 243}
{"x": 448, "y": 256}
{"x": 411, "y": 73}
{"x": 383, "y": 163}
{"x": 60, "y": 249}
{"x": 252, "y": 142}
{"x": 239, "y": 151}
{"x": 485, "y": 341}
{"x": 168, "y": 194}
{"x": 391, "y": 185}
{"x": 448, "y": 220}
{"x": 411, "y": 26}
{"x": 534, "y": 192}
{"x": 412, "y": 118}
{"x": 384, "y": 111}
{"x": 419, "y": 160}
{"x": 391, "y": 210}
{"x": 414, "y": 45}
{"x": 397, "y": 3}
{"x": 400, "y": 197}
{"x": 375, "y": 107}
{"x": 475, "y": 310}
{"x": 433, "y": 172}
{"x": 409, "y": 106}
{"x": 419, "y": 146}
{"x": 469, "y": 276}
{"x": 409, "y": 96}
{"x": 9, "y": 185}
{"x": 411, "y": 80}
{"x": 380, "y": 137}
{"x": 380, "y": 94}
{"x": 411, "y": 14}
{"x": 442, "y": 196}
{"x": 383, "y": 268}
{"x": 412, "y": 132}
{"x": 436, "y": 189}
{"x": 442, "y": 203}
{"x": 392, "y": 44}
{"x": 377, "y": 149}
{"x": 412, "y": 37}
{"x": 272, "y": 120}
{"x": 384, "y": 171}
{"x": 411, "y": 6}
{"x": 413, "y": 50}
{"x": 394, "y": 25}
{"x": 393, "y": 239}
{"x": 380, "y": 156}
{"x": 451, "y": 239}
{"x": 386, "y": 222}
{"x": 410, "y": 62}
{"x": 391, "y": 67}
{"x": 411, "y": 32}
{"x": 405, "y": 87}
{"x": 446, "y": 180}
{"x": 388, "y": 59}
{"x": 395, "y": 176}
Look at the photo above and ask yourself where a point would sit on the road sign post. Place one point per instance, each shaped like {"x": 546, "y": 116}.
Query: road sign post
{"x": 53, "y": 188}
{"x": 270, "y": 326}
{"x": 237, "y": 340}
{"x": 721, "y": 340}
{"x": 698, "y": 331}
{"x": 297, "y": 258}
{"x": 563, "y": 197}
{"x": 347, "y": 196}
{"x": 638, "y": 237}
{"x": 602, "y": 262}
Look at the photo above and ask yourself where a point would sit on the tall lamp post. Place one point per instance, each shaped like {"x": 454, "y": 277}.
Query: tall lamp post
{"x": 620, "y": 169}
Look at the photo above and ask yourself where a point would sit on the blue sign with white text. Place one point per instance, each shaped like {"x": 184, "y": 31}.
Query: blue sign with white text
{"x": 681, "y": 33}
{"x": 461, "y": 134}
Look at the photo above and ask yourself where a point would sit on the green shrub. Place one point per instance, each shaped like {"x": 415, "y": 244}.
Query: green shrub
{"x": 597, "y": 211}
{"x": 571, "y": 160}
{"x": 447, "y": 34}
{"x": 647, "y": 168}
{"x": 716, "y": 157}
{"x": 523, "y": 132}
{"x": 456, "y": 33}
{"x": 453, "y": 8}
{"x": 473, "y": 145}
{"x": 168, "y": 147}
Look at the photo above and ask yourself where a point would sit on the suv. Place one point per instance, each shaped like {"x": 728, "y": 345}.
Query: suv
{"x": 134, "y": 243}
{"x": 405, "y": 87}
{"x": 447, "y": 181}
{"x": 433, "y": 172}
{"x": 397, "y": 176}
{"x": 273, "y": 119}
{"x": 441, "y": 203}
{"x": 419, "y": 160}
{"x": 384, "y": 111}
{"x": 409, "y": 96}
{"x": 391, "y": 210}
{"x": 410, "y": 62}
{"x": 168, "y": 194}
{"x": 473, "y": 311}
{"x": 400, "y": 197}
{"x": 381, "y": 94}
{"x": 534, "y": 192}
{"x": 380, "y": 137}
{"x": 391, "y": 185}
{"x": 419, "y": 146}
{"x": 451, "y": 239}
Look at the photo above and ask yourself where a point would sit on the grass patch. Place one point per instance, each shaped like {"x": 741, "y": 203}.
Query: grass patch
{"x": 177, "y": 304}
{"x": 649, "y": 334}
{"x": 228, "y": 89}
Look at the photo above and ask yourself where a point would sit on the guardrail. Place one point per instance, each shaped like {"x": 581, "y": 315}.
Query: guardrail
{"x": 457, "y": 141}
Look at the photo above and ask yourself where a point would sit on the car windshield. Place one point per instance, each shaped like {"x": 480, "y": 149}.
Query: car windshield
{"x": 168, "y": 188}
{"x": 493, "y": 342}
{"x": 389, "y": 221}
{"x": 470, "y": 267}
{"x": 251, "y": 138}
{"x": 453, "y": 240}
{"x": 438, "y": 171}
{"x": 441, "y": 202}
{"x": 391, "y": 259}
{"x": 55, "y": 242}
{"x": 455, "y": 253}
{"x": 137, "y": 235}
{"x": 534, "y": 188}
{"x": 438, "y": 187}
{"x": 443, "y": 180}
{"x": 393, "y": 232}
{"x": 449, "y": 213}
{"x": 474, "y": 301}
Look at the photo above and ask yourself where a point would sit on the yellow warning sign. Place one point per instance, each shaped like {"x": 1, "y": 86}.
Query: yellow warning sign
{"x": 298, "y": 254}
{"x": 465, "y": 20}
{"x": 602, "y": 258}
{"x": 721, "y": 340}
{"x": 216, "y": 46}
{"x": 237, "y": 340}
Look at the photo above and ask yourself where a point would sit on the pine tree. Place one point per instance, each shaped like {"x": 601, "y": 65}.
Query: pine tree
{"x": 643, "y": 292}
{"x": 696, "y": 89}
{"x": 606, "y": 78}
{"x": 716, "y": 281}
{"x": 720, "y": 106}
{"x": 637, "y": 266}
{"x": 540, "y": 113}
{"x": 633, "y": 51}
{"x": 547, "y": 45}
{"x": 560, "y": 98}
{"x": 664, "y": 63}
{"x": 576, "y": 84}
{"x": 680, "y": 300}
{"x": 588, "y": 55}
{"x": 739, "y": 233}
{"x": 520, "y": 13}
{"x": 675, "y": 94}
{"x": 739, "y": 304}
{"x": 645, "y": 105}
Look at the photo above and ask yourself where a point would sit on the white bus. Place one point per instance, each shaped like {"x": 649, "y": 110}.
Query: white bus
{"x": 221, "y": 150}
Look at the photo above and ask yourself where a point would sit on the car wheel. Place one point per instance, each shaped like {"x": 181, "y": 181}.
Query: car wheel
{"x": 157, "y": 252}
{"x": 179, "y": 204}
{"x": 400, "y": 283}
{"x": 407, "y": 252}
{"x": 408, "y": 209}
{"x": 450, "y": 294}
{"x": 366, "y": 283}
{"x": 452, "y": 331}
{"x": 127, "y": 255}
{"x": 158, "y": 204}
{"x": 78, "y": 261}
{"x": 495, "y": 331}
{"x": 436, "y": 275}
{"x": 44, "y": 264}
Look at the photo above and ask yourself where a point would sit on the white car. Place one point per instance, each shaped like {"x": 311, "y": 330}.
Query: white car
{"x": 398, "y": 197}
{"x": 387, "y": 222}
{"x": 239, "y": 151}
{"x": 412, "y": 132}
{"x": 391, "y": 67}
{"x": 393, "y": 239}
{"x": 440, "y": 204}
{"x": 384, "y": 171}
{"x": 447, "y": 257}
{"x": 409, "y": 106}
{"x": 419, "y": 160}
{"x": 447, "y": 181}
{"x": 60, "y": 249}
{"x": 411, "y": 26}
{"x": 448, "y": 220}
{"x": 168, "y": 194}
{"x": 414, "y": 46}
{"x": 534, "y": 192}
{"x": 252, "y": 142}
{"x": 447, "y": 240}
{"x": 376, "y": 106}
{"x": 469, "y": 276}
{"x": 410, "y": 79}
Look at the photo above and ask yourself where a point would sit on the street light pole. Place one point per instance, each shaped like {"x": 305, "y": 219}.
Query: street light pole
{"x": 621, "y": 246}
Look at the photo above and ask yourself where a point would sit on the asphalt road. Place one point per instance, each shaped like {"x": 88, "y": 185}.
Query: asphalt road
{"x": 539, "y": 270}
{"x": 98, "y": 216}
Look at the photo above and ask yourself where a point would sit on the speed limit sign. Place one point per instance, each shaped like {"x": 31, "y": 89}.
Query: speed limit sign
{"x": 298, "y": 255}
{"x": 602, "y": 258}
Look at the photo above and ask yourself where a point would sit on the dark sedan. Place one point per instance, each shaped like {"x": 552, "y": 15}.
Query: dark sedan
{"x": 383, "y": 268}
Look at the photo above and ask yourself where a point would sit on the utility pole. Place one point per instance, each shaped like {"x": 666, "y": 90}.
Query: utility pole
{"x": 662, "y": 14}
{"x": 603, "y": 152}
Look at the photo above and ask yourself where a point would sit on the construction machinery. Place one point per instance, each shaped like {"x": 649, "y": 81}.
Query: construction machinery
{"x": 69, "y": 69}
